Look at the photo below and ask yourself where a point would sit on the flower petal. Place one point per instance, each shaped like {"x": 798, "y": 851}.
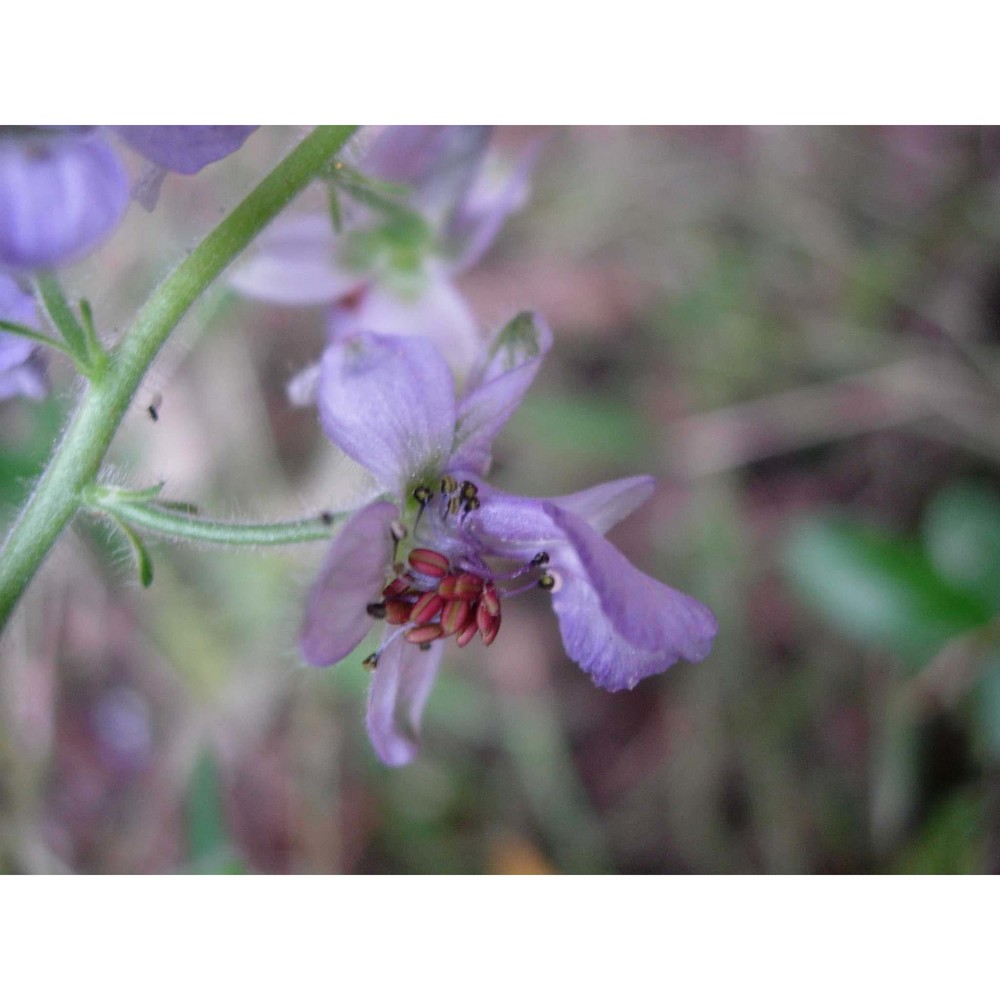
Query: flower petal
{"x": 439, "y": 163}
{"x": 617, "y": 623}
{"x": 22, "y": 370}
{"x": 293, "y": 264}
{"x": 389, "y": 403}
{"x": 352, "y": 577}
{"x": 438, "y": 313}
{"x": 185, "y": 149}
{"x": 602, "y": 507}
{"x": 61, "y": 193}
{"x": 478, "y": 219}
{"x": 512, "y": 362}
{"x": 401, "y": 684}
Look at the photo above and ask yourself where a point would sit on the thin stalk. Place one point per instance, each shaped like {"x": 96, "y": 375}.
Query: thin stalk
{"x": 77, "y": 458}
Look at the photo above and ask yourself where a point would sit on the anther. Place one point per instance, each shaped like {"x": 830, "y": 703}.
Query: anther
{"x": 454, "y": 505}
{"x": 547, "y": 582}
{"x": 422, "y": 494}
{"x": 540, "y": 559}
{"x": 490, "y": 633}
{"x": 466, "y": 635}
{"x": 397, "y": 612}
{"x": 429, "y": 562}
{"x": 376, "y": 610}
{"x": 423, "y": 633}
{"x": 473, "y": 503}
{"x": 370, "y": 662}
{"x": 448, "y": 484}
{"x": 490, "y": 599}
{"x": 454, "y": 617}
{"x": 424, "y": 647}
{"x": 396, "y": 588}
{"x": 398, "y": 531}
{"x": 427, "y": 608}
{"x": 469, "y": 490}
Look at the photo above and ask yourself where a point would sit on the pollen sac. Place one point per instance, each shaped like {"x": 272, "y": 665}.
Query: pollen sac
{"x": 469, "y": 490}
{"x": 540, "y": 559}
{"x": 547, "y": 582}
{"x": 423, "y": 633}
{"x": 376, "y": 610}
{"x": 483, "y": 618}
{"x": 427, "y": 608}
{"x": 423, "y": 494}
{"x": 464, "y": 587}
{"x": 429, "y": 562}
{"x": 454, "y": 617}
{"x": 490, "y": 599}
{"x": 489, "y": 634}
{"x": 370, "y": 662}
{"x": 448, "y": 484}
{"x": 397, "y": 588}
{"x": 466, "y": 635}
{"x": 397, "y": 612}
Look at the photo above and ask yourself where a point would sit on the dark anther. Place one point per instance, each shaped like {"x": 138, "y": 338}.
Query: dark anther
{"x": 370, "y": 662}
{"x": 469, "y": 490}
{"x": 473, "y": 503}
{"x": 397, "y": 531}
{"x": 326, "y": 517}
{"x": 425, "y": 646}
{"x": 448, "y": 484}
{"x": 541, "y": 559}
{"x": 547, "y": 582}
{"x": 423, "y": 494}
{"x": 376, "y": 610}
{"x": 454, "y": 505}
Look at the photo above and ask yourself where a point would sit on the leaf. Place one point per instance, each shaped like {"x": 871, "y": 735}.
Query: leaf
{"x": 962, "y": 535}
{"x": 143, "y": 561}
{"x": 877, "y": 588}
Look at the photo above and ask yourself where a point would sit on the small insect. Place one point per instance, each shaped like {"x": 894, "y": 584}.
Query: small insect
{"x": 154, "y": 407}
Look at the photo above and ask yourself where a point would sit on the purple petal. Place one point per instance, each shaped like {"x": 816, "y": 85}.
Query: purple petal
{"x": 617, "y": 623}
{"x": 22, "y": 370}
{"x": 602, "y": 507}
{"x": 479, "y": 218}
{"x": 389, "y": 403}
{"x": 61, "y": 193}
{"x": 438, "y": 313}
{"x": 185, "y": 149}
{"x": 352, "y": 577}
{"x": 512, "y": 362}
{"x": 293, "y": 264}
{"x": 439, "y": 163}
{"x": 400, "y": 687}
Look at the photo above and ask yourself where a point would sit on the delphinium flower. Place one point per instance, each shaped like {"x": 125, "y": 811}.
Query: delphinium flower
{"x": 64, "y": 189}
{"x": 439, "y": 202}
{"x": 22, "y": 371}
{"x": 438, "y": 559}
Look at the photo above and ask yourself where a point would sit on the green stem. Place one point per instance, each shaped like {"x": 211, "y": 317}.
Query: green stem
{"x": 53, "y": 301}
{"x": 177, "y": 525}
{"x": 35, "y": 335}
{"x": 77, "y": 458}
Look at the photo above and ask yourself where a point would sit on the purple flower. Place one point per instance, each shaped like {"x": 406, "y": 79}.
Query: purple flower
{"x": 438, "y": 559}
{"x": 22, "y": 371}
{"x": 386, "y": 273}
{"x": 64, "y": 189}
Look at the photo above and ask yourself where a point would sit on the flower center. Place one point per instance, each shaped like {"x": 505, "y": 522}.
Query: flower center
{"x": 445, "y": 588}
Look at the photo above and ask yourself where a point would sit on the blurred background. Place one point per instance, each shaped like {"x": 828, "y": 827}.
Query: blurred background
{"x": 797, "y": 331}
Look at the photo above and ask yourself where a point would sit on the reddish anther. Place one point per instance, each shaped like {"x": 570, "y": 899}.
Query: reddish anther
{"x": 454, "y": 617}
{"x": 397, "y": 612}
{"x": 427, "y": 608}
{"x": 490, "y": 599}
{"x": 466, "y": 635}
{"x": 483, "y": 617}
{"x": 464, "y": 587}
{"x": 423, "y": 633}
{"x": 489, "y": 634}
{"x": 396, "y": 588}
{"x": 429, "y": 562}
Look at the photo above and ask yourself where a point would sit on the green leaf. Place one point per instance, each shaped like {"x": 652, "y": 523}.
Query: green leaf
{"x": 962, "y": 536}
{"x": 877, "y": 588}
{"x": 143, "y": 562}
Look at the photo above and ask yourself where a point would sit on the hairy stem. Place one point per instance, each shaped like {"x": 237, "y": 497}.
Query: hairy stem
{"x": 77, "y": 458}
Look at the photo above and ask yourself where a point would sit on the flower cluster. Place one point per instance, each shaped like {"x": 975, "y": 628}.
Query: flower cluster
{"x": 438, "y": 201}
{"x": 437, "y": 560}
{"x": 62, "y": 191}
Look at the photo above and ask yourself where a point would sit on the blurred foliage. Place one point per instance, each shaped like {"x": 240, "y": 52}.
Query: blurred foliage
{"x": 795, "y": 330}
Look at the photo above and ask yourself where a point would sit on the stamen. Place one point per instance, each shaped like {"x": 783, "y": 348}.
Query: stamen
{"x": 491, "y": 600}
{"x": 423, "y": 633}
{"x": 429, "y": 562}
{"x": 448, "y": 484}
{"x": 370, "y": 662}
{"x": 466, "y": 635}
{"x": 454, "y": 505}
{"x": 422, "y": 494}
{"x": 377, "y": 610}
{"x": 550, "y": 582}
{"x": 427, "y": 608}
{"x": 397, "y": 612}
{"x": 398, "y": 531}
{"x": 490, "y": 633}
{"x": 469, "y": 490}
{"x": 454, "y": 617}
{"x": 541, "y": 559}
{"x": 397, "y": 588}
{"x": 473, "y": 503}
